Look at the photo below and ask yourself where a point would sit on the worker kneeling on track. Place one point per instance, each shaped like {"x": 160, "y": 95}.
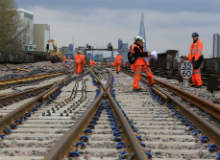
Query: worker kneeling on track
{"x": 118, "y": 60}
{"x": 140, "y": 61}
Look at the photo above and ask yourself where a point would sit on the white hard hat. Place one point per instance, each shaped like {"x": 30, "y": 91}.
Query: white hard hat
{"x": 139, "y": 38}
{"x": 154, "y": 55}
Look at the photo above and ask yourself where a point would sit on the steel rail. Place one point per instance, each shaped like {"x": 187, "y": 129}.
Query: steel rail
{"x": 65, "y": 143}
{"x": 209, "y": 107}
{"x": 23, "y": 93}
{"x": 29, "y": 79}
{"x": 202, "y": 124}
{"x": 19, "y": 112}
{"x": 139, "y": 153}
{"x": 134, "y": 142}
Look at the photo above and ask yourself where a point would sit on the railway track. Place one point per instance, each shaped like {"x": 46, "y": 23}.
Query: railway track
{"x": 79, "y": 141}
{"x": 108, "y": 121}
{"x": 8, "y": 83}
{"x": 16, "y": 97}
{"x": 34, "y": 136}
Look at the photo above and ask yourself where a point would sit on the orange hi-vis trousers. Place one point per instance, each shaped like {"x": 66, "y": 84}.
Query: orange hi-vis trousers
{"x": 138, "y": 69}
{"x": 196, "y": 77}
{"x": 78, "y": 68}
{"x": 118, "y": 67}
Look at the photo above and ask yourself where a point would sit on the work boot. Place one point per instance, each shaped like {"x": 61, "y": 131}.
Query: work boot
{"x": 197, "y": 86}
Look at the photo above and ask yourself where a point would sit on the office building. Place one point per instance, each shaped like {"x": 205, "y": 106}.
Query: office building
{"x": 27, "y": 18}
{"x": 41, "y": 36}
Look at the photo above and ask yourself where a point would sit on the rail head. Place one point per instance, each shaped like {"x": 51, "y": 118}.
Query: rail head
{"x": 64, "y": 144}
{"x": 134, "y": 142}
{"x": 207, "y": 106}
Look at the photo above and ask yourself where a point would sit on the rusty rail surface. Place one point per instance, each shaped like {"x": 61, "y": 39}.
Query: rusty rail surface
{"x": 209, "y": 107}
{"x": 12, "y": 96}
{"x": 65, "y": 144}
{"x": 19, "y": 112}
{"x": 29, "y": 79}
{"x": 201, "y": 123}
{"x": 139, "y": 153}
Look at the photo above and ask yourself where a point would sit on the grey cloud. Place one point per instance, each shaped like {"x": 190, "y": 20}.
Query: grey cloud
{"x": 164, "y": 30}
{"x": 158, "y": 5}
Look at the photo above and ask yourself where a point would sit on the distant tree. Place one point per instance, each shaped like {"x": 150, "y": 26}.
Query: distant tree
{"x": 11, "y": 27}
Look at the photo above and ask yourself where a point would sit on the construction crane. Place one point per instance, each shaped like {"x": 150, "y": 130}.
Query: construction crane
{"x": 54, "y": 55}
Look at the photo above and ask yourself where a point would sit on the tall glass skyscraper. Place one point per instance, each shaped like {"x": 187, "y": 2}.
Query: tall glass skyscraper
{"x": 216, "y": 45}
{"x": 142, "y": 31}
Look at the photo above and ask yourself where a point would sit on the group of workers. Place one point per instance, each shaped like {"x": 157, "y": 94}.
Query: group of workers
{"x": 140, "y": 61}
{"x": 68, "y": 58}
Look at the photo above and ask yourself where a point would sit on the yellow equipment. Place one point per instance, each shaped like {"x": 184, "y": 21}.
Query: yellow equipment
{"x": 54, "y": 55}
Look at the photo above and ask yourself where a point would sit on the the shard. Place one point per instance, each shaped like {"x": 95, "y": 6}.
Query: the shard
{"x": 142, "y": 31}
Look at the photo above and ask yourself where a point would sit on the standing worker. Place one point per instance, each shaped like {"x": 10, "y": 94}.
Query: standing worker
{"x": 69, "y": 59}
{"x": 83, "y": 61}
{"x": 196, "y": 58}
{"x": 78, "y": 62}
{"x": 64, "y": 59}
{"x": 140, "y": 65}
{"x": 91, "y": 62}
{"x": 118, "y": 60}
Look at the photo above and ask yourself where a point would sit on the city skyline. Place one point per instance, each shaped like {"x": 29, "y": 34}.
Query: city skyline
{"x": 91, "y": 22}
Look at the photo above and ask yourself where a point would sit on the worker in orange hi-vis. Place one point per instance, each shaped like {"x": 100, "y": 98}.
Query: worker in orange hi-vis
{"x": 69, "y": 59}
{"x": 83, "y": 62}
{"x": 118, "y": 60}
{"x": 124, "y": 64}
{"x": 112, "y": 64}
{"x": 78, "y": 62}
{"x": 141, "y": 62}
{"x": 195, "y": 57}
{"x": 91, "y": 62}
{"x": 64, "y": 59}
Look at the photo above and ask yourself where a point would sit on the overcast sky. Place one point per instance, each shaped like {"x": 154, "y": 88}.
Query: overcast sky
{"x": 168, "y": 23}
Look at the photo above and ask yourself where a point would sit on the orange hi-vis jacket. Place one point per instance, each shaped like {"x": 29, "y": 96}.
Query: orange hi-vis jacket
{"x": 78, "y": 59}
{"x": 118, "y": 59}
{"x": 83, "y": 59}
{"x": 64, "y": 58}
{"x": 69, "y": 59}
{"x": 195, "y": 50}
{"x": 92, "y": 62}
{"x": 140, "y": 60}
